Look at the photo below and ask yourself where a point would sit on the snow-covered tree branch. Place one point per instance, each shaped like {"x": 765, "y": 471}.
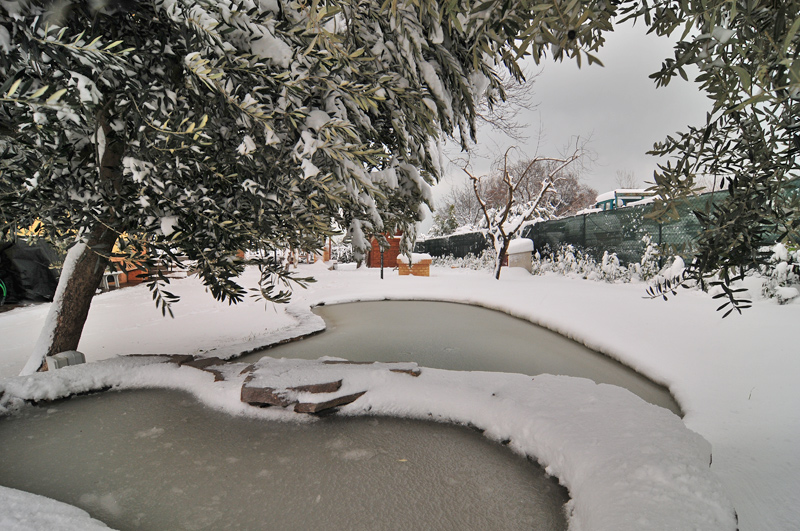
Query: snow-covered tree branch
{"x": 174, "y": 128}
{"x": 505, "y": 221}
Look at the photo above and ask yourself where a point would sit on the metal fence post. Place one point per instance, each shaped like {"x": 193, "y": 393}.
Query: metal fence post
{"x": 583, "y": 239}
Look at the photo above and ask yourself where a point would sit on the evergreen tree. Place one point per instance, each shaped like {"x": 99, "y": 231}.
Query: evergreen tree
{"x": 444, "y": 223}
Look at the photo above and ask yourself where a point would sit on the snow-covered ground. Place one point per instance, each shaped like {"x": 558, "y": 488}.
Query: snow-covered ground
{"x": 735, "y": 378}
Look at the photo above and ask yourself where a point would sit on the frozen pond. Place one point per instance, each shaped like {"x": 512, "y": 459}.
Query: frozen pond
{"x": 156, "y": 459}
{"x": 460, "y": 337}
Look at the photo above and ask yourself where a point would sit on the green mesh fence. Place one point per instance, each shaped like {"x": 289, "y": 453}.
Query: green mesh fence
{"x": 623, "y": 231}
{"x": 456, "y": 245}
{"x": 620, "y": 231}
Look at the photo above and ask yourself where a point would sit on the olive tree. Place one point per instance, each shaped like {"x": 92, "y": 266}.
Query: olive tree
{"x": 178, "y": 129}
{"x": 748, "y": 55}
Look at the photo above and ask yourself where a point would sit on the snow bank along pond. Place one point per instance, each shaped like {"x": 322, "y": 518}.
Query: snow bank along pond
{"x": 179, "y": 444}
{"x": 460, "y": 337}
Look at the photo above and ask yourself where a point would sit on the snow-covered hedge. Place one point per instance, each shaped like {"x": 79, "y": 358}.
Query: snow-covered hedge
{"x": 483, "y": 261}
{"x": 569, "y": 260}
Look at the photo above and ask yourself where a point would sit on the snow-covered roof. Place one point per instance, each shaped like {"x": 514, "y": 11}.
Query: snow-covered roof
{"x": 520, "y": 245}
{"x": 632, "y": 191}
{"x": 605, "y": 196}
{"x": 415, "y": 258}
{"x": 643, "y": 201}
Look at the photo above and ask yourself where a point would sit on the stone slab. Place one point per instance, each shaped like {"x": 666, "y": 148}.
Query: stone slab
{"x": 264, "y": 396}
{"x": 318, "y": 407}
{"x": 328, "y": 387}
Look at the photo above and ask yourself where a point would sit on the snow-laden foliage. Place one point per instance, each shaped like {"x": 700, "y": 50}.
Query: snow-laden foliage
{"x": 782, "y": 274}
{"x": 572, "y": 261}
{"x": 197, "y": 129}
{"x": 484, "y": 261}
{"x": 747, "y": 56}
{"x": 649, "y": 263}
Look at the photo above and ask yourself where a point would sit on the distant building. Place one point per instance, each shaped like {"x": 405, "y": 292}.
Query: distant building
{"x": 389, "y": 255}
{"x": 620, "y": 198}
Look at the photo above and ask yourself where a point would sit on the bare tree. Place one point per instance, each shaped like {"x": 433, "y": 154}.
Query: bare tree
{"x": 501, "y": 114}
{"x": 466, "y": 209}
{"x": 567, "y": 198}
{"x": 504, "y": 222}
{"x": 626, "y": 179}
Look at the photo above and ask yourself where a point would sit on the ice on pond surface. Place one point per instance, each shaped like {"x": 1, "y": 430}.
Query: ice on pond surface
{"x": 158, "y": 459}
{"x": 460, "y": 337}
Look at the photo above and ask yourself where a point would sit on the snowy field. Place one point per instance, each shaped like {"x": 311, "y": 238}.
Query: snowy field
{"x": 734, "y": 378}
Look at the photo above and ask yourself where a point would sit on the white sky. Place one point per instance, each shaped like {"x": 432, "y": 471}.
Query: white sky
{"x": 616, "y": 106}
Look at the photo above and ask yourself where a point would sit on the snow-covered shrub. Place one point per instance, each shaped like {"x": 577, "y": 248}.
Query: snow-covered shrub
{"x": 782, "y": 274}
{"x": 673, "y": 269}
{"x": 568, "y": 260}
{"x": 612, "y": 270}
{"x": 483, "y": 261}
{"x": 342, "y": 253}
{"x": 668, "y": 279}
{"x": 647, "y": 267}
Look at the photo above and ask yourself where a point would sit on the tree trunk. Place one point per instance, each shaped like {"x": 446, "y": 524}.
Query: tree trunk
{"x": 76, "y": 287}
{"x": 500, "y": 257}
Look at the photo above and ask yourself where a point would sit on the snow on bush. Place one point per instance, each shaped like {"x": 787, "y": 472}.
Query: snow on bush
{"x": 483, "y": 261}
{"x": 572, "y": 261}
{"x": 648, "y": 266}
{"x": 782, "y": 274}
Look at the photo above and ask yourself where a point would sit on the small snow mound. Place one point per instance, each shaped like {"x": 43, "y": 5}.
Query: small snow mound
{"x": 785, "y": 294}
{"x": 23, "y": 511}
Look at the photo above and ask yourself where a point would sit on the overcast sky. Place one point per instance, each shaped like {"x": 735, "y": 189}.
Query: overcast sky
{"x": 616, "y": 106}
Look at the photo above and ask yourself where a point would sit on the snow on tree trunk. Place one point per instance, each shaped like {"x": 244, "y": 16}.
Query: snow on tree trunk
{"x": 82, "y": 273}
{"x": 501, "y": 254}
{"x": 504, "y": 223}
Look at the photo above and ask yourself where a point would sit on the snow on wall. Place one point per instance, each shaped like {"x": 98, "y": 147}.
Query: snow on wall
{"x": 415, "y": 258}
